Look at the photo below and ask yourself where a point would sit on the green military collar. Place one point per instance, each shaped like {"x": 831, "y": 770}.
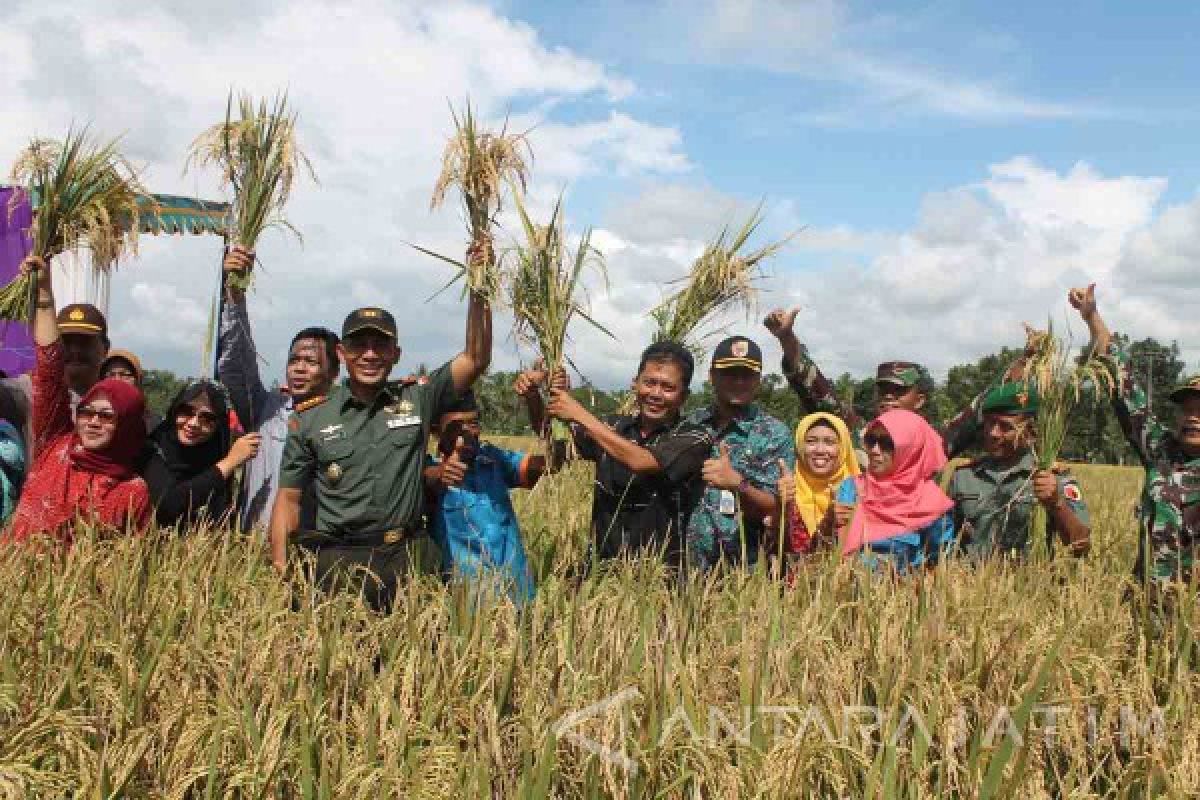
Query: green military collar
{"x": 1026, "y": 463}
{"x": 390, "y": 393}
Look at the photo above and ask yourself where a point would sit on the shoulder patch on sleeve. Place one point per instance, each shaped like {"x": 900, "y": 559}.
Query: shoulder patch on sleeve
{"x": 1071, "y": 491}
{"x": 310, "y": 403}
{"x": 293, "y": 423}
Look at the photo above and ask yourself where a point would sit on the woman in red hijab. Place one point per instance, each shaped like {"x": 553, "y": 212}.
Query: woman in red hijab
{"x": 83, "y": 470}
{"x": 896, "y": 515}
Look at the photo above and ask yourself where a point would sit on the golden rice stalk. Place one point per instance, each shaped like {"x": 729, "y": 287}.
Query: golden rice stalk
{"x": 481, "y": 163}
{"x": 1060, "y": 382}
{"x": 544, "y": 288}
{"x": 259, "y": 160}
{"x": 722, "y": 278}
{"x": 86, "y": 197}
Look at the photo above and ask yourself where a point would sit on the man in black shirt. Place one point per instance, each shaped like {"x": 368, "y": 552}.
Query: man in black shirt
{"x": 648, "y": 463}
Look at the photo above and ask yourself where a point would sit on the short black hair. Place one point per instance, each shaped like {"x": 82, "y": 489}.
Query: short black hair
{"x": 673, "y": 353}
{"x": 328, "y": 337}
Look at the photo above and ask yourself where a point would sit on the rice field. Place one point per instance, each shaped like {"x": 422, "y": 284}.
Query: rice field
{"x": 183, "y": 668}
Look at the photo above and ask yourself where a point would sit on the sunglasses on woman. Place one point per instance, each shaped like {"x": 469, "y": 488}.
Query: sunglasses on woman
{"x": 105, "y": 416}
{"x": 205, "y": 417}
{"x": 880, "y": 440}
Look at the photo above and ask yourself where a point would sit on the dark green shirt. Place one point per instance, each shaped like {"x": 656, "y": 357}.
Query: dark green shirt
{"x": 993, "y": 505}
{"x": 366, "y": 461}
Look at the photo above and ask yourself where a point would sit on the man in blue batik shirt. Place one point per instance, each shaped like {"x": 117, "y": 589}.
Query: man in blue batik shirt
{"x": 744, "y": 466}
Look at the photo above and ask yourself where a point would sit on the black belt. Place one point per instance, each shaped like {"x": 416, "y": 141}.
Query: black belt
{"x": 315, "y": 540}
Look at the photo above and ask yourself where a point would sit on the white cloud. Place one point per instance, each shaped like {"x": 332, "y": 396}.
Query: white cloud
{"x": 370, "y": 80}
{"x": 983, "y": 259}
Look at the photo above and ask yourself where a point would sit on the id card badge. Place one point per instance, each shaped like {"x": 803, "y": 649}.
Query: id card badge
{"x": 728, "y": 505}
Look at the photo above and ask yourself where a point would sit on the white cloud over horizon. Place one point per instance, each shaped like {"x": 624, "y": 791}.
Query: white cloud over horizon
{"x": 371, "y": 79}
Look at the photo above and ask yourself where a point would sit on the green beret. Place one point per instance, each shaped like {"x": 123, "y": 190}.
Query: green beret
{"x": 1011, "y": 398}
{"x": 1190, "y": 384}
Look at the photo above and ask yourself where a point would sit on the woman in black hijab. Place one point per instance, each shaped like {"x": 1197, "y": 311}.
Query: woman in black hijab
{"x": 191, "y": 457}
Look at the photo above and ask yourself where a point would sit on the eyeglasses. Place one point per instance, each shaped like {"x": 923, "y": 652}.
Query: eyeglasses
{"x": 880, "y": 440}
{"x": 105, "y": 416}
{"x": 203, "y": 416}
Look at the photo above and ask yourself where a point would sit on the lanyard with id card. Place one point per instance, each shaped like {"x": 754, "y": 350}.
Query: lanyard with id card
{"x": 727, "y": 505}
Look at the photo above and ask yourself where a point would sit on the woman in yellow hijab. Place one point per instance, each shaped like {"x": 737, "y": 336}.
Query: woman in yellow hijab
{"x": 824, "y": 458}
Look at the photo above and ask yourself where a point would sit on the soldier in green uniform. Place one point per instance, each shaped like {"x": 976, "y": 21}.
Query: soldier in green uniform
{"x": 1169, "y": 513}
{"x": 363, "y": 448}
{"x": 994, "y": 495}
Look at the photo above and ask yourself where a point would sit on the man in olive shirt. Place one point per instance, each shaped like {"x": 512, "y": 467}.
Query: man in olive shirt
{"x": 994, "y": 495}
{"x": 363, "y": 448}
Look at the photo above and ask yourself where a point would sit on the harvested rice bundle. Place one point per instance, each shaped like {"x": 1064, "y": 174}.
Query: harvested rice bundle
{"x": 481, "y": 164}
{"x": 722, "y": 278}
{"x": 259, "y": 159}
{"x": 545, "y": 292}
{"x": 85, "y": 196}
{"x": 1060, "y": 382}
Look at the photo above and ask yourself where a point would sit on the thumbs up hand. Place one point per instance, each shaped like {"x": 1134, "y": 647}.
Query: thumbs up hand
{"x": 454, "y": 467}
{"x": 719, "y": 472}
{"x": 786, "y": 485}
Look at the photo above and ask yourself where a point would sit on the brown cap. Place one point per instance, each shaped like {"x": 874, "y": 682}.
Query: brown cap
{"x": 129, "y": 358}
{"x": 83, "y": 318}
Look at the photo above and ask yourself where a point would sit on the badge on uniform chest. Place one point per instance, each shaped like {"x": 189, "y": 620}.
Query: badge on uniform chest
{"x": 331, "y": 433}
{"x": 333, "y": 473}
{"x": 402, "y": 415}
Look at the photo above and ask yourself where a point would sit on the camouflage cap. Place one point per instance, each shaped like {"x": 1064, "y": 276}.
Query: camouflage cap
{"x": 1011, "y": 398}
{"x": 904, "y": 373}
{"x": 1190, "y": 384}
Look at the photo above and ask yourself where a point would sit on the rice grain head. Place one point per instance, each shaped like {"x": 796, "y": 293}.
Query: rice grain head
{"x": 722, "y": 278}
{"x": 481, "y": 164}
{"x": 85, "y": 196}
{"x": 258, "y": 158}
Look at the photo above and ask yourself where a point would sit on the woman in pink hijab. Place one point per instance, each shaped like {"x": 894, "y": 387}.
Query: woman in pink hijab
{"x": 896, "y": 515}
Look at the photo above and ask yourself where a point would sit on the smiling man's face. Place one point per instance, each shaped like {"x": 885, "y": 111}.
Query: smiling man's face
{"x": 1188, "y": 422}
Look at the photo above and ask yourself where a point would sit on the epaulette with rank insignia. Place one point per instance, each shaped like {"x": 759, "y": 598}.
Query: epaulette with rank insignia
{"x": 406, "y": 381}
{"x": 311, "y": 403}
{"x": 946, "y": 476}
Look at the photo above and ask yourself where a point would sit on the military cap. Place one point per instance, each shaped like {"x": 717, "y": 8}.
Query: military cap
{"x": 904, "y": 373}
{"x": 1014, "y": 397}
{"x": 1190, "y": 384}
{"x": 370, "y": 318}
{"x": 737, "y": 351}
{"x": 82, "y": 318}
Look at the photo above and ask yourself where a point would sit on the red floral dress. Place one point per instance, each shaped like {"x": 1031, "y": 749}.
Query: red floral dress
{"x": 57, "y": 493}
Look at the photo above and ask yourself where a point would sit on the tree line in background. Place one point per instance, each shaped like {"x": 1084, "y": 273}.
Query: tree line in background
{"x": 1094, "y": 435}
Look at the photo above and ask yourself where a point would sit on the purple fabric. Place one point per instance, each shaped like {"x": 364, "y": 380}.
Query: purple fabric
{"x": 16, "y": 343}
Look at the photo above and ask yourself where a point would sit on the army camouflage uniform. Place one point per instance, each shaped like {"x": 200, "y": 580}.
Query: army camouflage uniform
{"x": 817, "y": 393}
{"x": 993, "y": 504}
{"x": 366, "y": 462}
{"x": 1169, "y": 512}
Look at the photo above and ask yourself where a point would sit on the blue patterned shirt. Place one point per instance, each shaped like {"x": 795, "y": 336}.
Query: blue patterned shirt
{"x": 756, "y": 441}
{"x": 906, "y": 551}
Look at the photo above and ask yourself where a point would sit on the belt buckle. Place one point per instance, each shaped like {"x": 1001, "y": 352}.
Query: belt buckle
{"x": 393, "y": 536}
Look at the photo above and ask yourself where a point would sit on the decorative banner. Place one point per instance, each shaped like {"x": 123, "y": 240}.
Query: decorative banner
{"x": 160, "y": 213}
{"x": 16, "y": 216}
